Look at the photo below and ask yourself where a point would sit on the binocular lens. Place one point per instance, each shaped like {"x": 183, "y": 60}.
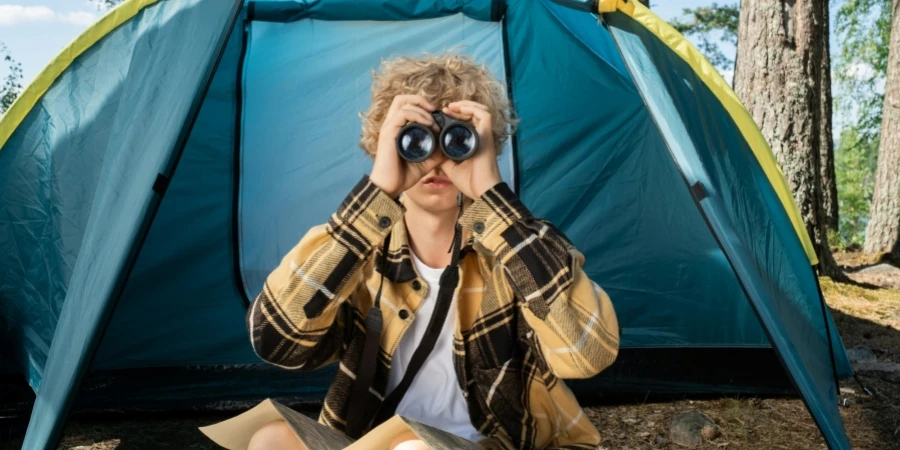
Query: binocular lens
{"x": 459, "y": 142}
{"x": 457, "y": 139}
{"x": 416, "y": 144}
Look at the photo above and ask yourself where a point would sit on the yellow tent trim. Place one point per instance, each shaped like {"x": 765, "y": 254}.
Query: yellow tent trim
{"x": 714, "y": 81}
{"x": 39, "y": 86}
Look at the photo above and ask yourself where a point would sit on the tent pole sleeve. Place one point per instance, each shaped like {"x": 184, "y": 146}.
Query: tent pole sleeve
{"x": 236, "y": 170}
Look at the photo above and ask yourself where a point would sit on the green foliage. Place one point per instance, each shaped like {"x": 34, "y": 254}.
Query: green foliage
{"x": 12, "y": 82}
{"x": 863, "y": 29}
{"x": 855, "y": 160}
{"x": 711, "y": 25}
{"x": 106, "y": 4}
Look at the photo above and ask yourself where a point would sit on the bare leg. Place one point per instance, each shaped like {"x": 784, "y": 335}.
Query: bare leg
{"x": 275, "y": 436}
{"x": 408, "y": 441}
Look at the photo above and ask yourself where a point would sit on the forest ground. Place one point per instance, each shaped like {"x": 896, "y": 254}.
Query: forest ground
{"x": 865, "y": 313}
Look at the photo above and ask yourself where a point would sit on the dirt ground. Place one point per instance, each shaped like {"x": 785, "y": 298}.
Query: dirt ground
{"x": 864, "y": 312}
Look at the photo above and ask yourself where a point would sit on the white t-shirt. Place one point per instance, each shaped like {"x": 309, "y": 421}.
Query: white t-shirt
{"x": 434, "y": 397}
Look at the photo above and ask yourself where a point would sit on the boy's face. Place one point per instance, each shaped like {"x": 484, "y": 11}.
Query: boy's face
{"x": 434, "y": 192}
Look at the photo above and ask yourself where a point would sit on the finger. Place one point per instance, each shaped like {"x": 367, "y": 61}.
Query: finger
{"x": 426, "y": 118}
{"x": 457, "y": 114}
{"x": 415, "y": 100}
{"x": 468, "y": 103}
{"x": 482, "y": 118}
{"x": 406, "y": 116}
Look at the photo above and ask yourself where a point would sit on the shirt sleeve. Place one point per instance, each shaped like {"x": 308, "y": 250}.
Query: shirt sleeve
{"x": 297, "y": 321}
{"x": 575, "y": 326}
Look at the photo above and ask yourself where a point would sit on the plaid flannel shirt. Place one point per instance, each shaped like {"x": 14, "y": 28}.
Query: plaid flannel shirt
{"x": 528, "y": 315}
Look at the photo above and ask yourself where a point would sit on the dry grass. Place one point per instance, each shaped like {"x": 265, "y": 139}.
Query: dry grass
{"x": 753, "y": 423}
{"x": 864, "y": 315}
{"x": 745, "y": 424}
{"x": 869, "y": 316}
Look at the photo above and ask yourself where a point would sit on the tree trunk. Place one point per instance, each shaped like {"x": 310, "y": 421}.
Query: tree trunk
{"x": 883, "y": 231}
{"x": 826, "y": 139}
{"x": 779, "y": 77}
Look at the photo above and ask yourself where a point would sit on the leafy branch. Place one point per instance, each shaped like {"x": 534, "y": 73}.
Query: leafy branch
{"x": 711, "y": 25}
{"x": 12, "y": 82}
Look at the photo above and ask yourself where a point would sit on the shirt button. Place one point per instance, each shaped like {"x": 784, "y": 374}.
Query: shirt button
{"x": 416, "y": 285}
{"x": 404, "y": 314}
{"x": 479, "y": 227}
{"x": 384, "y": 222}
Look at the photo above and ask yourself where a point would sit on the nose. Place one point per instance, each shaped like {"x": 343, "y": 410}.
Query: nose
{"x": 439, "y": 157}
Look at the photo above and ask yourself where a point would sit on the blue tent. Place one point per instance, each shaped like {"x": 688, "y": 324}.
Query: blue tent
{"x": 138, "y": 173}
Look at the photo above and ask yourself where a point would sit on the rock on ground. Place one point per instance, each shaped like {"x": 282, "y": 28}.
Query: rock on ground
{"x": 689, "y": 429}
{"x": 881, "y": 269}
{"x": 887, "y": 371}
{"x": 861, "y": 354}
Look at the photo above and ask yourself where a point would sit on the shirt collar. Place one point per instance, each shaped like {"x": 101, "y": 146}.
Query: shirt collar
{"x": 399, "y": 263}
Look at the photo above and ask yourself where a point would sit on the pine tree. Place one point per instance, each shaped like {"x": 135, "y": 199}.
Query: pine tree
{"x": 883, "y": 232}
{"x": 779, "y": 77}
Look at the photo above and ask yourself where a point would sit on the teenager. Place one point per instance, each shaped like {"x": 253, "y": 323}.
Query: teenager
{"x": 523, "y": 316}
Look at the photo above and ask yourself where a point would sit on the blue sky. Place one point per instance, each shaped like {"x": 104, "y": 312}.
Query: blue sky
{"x": 36, "y": 30}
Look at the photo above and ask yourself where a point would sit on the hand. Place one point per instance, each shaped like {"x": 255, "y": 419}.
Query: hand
{"x": 476, "y": 175}
{"x": 390, "y": 173}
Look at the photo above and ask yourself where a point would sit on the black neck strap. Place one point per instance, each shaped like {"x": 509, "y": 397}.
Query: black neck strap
{"x": 365, "y": 373}
{"x": 362, "y": 400}
{"x": 448, "y": 283}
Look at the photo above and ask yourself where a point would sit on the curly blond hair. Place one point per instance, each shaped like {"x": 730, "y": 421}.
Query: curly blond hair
{"x": 441, "y": 79}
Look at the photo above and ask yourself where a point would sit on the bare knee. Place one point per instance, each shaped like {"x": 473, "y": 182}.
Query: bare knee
{"x": 275, "y": 436}
{"x": 408, "y": 441}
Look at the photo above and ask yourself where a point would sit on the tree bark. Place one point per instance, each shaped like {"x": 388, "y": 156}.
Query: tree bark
{"x": 883, "y": 231}
{"x": 779, "y": 77}
{"x": 826, "y": 139}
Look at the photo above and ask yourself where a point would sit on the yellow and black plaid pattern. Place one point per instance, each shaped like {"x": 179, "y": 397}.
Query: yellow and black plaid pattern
{"x": 528, "y": 314}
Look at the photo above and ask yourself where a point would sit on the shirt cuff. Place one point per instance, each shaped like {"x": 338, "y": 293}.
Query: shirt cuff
{"x": 489, "y": 216}
{"x": 365, "y": 217}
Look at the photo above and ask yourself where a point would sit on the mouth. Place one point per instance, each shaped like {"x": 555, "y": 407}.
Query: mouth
{"x": 437, "y": 182}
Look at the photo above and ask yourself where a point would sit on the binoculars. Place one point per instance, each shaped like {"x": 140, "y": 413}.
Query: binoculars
{"x": 457, "y": 139}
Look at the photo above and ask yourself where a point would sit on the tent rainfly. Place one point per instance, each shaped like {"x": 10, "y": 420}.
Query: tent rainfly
{"x": 137, "y": 174}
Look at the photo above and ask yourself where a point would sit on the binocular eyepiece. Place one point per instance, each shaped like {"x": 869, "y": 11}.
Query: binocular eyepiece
{"x": 457, "y": 139}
